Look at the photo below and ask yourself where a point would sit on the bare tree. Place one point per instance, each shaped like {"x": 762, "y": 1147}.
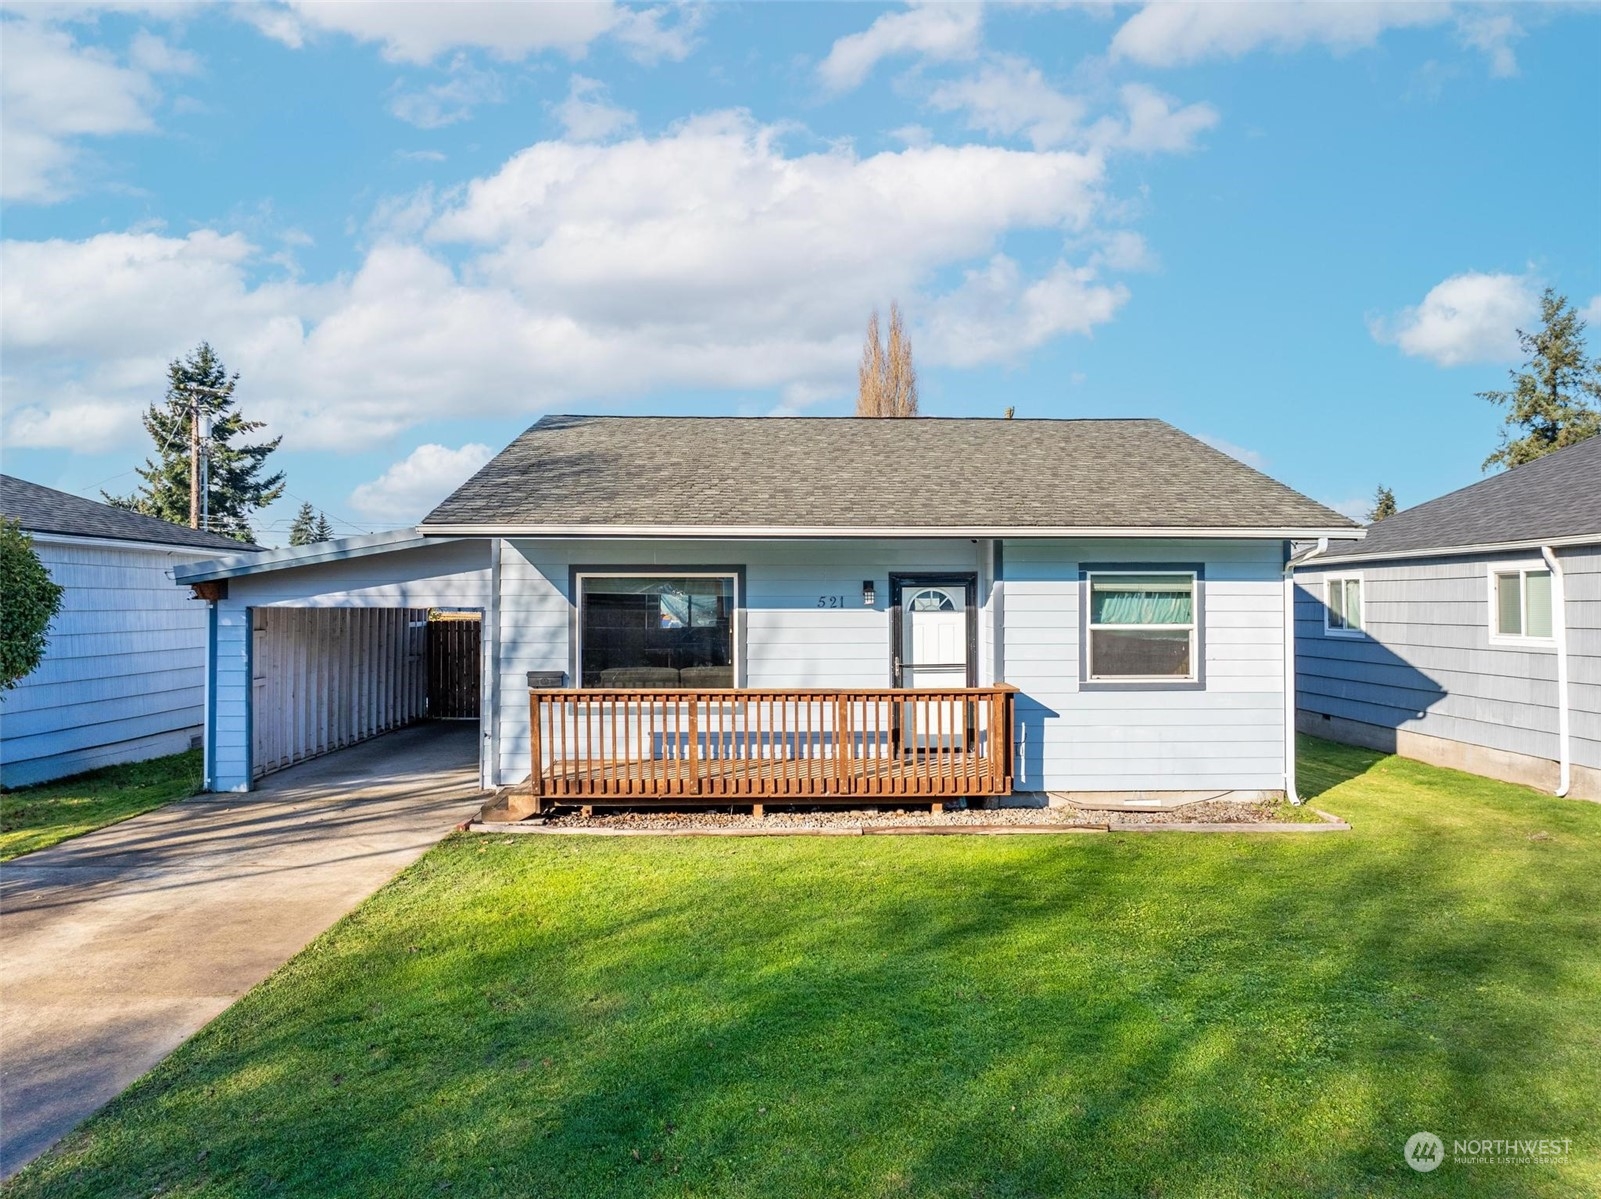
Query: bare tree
{"x": 888, "y": 378}
{"x": 870, "y": 395}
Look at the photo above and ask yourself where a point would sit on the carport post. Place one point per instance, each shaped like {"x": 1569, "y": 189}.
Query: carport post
{"x": 489, "y": 687}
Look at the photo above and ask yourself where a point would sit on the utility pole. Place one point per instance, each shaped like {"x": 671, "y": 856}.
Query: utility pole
{"x": 194, "y": 458}
{"x": 195, "y": 391}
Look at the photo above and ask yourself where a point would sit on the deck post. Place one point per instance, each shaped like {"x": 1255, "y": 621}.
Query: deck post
{"x": 536, "y": 762}
{"x": 694, "y": 745}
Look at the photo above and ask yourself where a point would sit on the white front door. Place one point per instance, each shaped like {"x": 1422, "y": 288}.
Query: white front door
{"x": 934, "y": 635}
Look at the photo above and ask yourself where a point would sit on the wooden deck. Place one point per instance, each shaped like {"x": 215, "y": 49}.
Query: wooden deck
{"x": 698, "y": 748}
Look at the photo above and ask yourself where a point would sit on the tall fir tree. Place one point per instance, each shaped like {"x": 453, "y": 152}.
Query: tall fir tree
{"x": 310, "y": 527}
{"x": 237, "y": 486}
{"x": 304, "y": 529}
{"x": 1383, "y": 505}
{"x": 1555, "y": 400}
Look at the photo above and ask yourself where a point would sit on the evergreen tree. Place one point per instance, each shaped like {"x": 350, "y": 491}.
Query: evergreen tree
{"x": 310, "y": 527}
{"x": 304, "y": 529}
{"x": 236, "y": 487}
{"x": 29, "y": 601}
{"x": 1553, "y": 399}
{"x": 1383, "y": 504}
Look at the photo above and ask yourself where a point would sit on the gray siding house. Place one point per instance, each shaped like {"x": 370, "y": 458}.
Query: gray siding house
{"x": 1467, "y": 631}
{"x": 124, "y": 675}
{"x": 701, "y": 609}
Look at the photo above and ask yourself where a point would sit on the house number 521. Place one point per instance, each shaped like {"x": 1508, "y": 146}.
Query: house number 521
{"x": 831, "y": 601}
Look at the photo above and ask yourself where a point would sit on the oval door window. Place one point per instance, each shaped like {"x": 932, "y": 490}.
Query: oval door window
{"x": 931, "y": 600}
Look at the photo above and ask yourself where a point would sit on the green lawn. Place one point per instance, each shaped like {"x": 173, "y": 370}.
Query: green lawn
{"x": 37, "y": 817}
{"x": 1145, "y": 1015}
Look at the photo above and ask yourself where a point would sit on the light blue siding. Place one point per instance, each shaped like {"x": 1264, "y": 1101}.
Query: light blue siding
{"x": 1229, "y": 735}
{"x": 787, "y": 640}
{"x": 1427, "y": 663}
{"x": 123, "y": 676}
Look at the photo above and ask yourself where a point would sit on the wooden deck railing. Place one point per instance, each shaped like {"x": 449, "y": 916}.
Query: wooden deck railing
{"x": 698, "y": 747}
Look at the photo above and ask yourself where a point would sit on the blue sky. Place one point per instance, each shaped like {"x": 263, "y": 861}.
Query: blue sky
{"x": 1306, "y": 233}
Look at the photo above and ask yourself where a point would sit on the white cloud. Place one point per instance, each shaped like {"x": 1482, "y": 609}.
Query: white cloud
{"x": 1166, "y": 35}
{"x": 420, "y": 33}
{"x": 1152, "y": 125}
{"x": 1590, "y": 314}
{"x": 650, "y": 37}
{"x": 85, "y": 425}
{"x": 1470, "y": 317}
{"x": 707, "y": 257}
{"x": 409, "y": 489}
{"x": 585, "y": 114}
{"x": 54, "y": 92}
{"x": 913, "y": 135}
{"x": 997, "y": 314}
{"x": 1238, "y": 452}
{"x": 1356, "y": 508}
{"x": 465, "y": 88}
{"x": 1492, "y": 33}
{"x": 933, "y": 31}
{"x": 1124, "y": 250}
{"x": 1009, "y": 97}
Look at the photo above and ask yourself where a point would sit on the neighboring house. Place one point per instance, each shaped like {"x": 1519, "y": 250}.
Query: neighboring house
{"x": 124, "y": 675}
{"x": 706, "y": 609}
{"x": 1467, "y": 631}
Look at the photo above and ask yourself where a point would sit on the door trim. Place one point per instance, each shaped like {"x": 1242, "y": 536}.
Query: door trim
{"x": 968, "y": 580}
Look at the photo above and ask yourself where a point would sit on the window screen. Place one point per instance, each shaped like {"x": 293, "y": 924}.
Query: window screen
{"x": 1141, "y": 626}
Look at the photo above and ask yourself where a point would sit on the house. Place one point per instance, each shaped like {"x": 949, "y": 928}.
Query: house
{"x": 716, "y": 610}
{"x": 124, "y": 675}
{"x": 1466, "y": 632}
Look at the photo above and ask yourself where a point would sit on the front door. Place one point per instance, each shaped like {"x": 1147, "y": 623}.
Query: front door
{"x": 935, "y": 647}
{"x": 934, "y": 643}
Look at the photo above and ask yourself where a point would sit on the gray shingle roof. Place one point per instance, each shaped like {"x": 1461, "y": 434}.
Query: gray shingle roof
{"x": 42, "y": 509}
{"x": 1552, "y": 498}
{"x": 850, "y": 473}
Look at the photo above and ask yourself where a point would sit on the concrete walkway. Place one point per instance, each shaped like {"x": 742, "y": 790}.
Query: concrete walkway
{"x": 120, "y": 945}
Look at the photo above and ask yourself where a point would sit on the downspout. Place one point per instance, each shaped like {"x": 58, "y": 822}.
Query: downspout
{"x": 208, "y": 742}
{"x": 1559, "y": 630}
{"x": 489, "y": 688}
{"x": 1290, "y": 565}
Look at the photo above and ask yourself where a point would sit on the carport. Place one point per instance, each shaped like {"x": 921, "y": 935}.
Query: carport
{"x": 322, "y": 647}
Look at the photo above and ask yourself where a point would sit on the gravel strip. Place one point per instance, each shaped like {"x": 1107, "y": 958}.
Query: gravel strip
{"x": 1202, "y": 816}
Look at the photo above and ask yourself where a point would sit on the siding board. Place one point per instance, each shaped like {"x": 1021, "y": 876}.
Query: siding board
{"x": 1427, "y": 663}
{"x": 123, "y": 676}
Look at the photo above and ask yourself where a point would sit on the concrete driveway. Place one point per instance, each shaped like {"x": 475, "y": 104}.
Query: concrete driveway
{"x": 118, "y": 946}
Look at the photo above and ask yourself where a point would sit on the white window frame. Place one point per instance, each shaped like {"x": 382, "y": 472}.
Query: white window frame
{"x": 667, "y": 572}
{"x": 1361, "y": 629}
{"x": 1521, "y": 567}
{"x": 1090, "y": 628}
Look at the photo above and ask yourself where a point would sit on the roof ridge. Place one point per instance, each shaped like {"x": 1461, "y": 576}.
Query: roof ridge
{"x": 1018, "y": 420}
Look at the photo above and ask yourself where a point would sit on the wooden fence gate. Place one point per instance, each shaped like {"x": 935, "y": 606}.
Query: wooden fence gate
{"x": 455, "y": 657}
